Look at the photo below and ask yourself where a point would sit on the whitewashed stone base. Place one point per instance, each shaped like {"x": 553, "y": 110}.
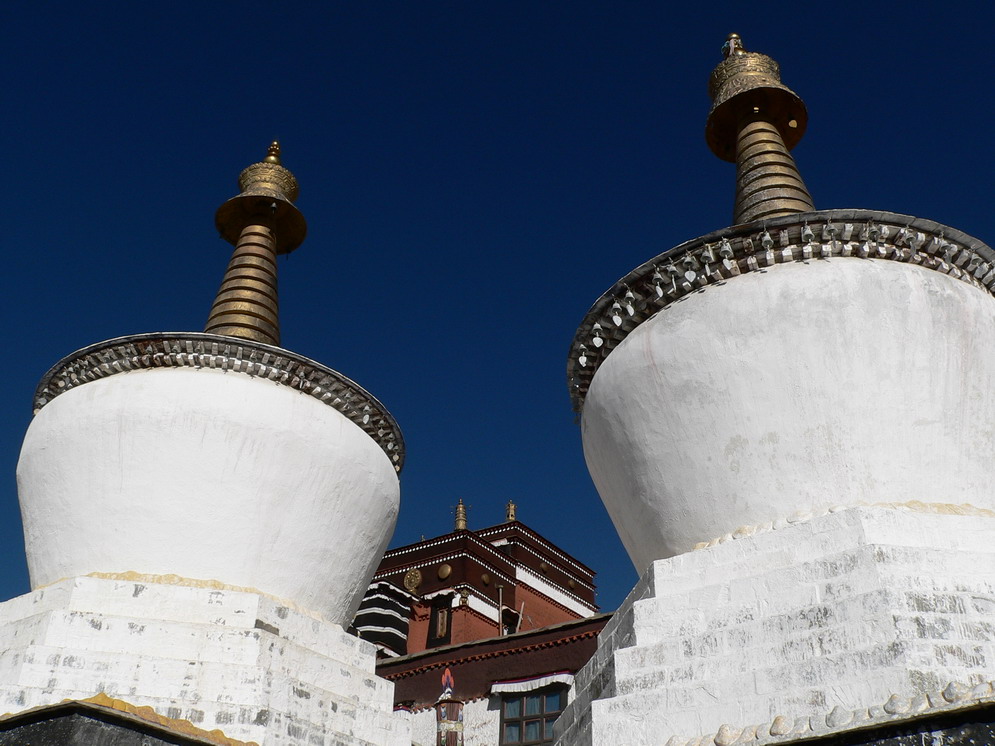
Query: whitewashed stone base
{"x": 481, "y": 724}
{"x": 809, "y": 622}
{"x": 232, "y": 660}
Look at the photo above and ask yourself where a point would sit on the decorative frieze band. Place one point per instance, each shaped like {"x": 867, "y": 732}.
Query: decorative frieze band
{"x": 803, "y": 237}
{"x": 198, "y": 350}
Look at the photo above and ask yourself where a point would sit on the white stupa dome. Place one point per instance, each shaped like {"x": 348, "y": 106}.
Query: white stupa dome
{"x": 215, "y": 457}
{"x": 829, "y": 369}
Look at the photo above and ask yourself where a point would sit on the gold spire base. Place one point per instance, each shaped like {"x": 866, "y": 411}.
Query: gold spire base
{"x": 246, "y": 305}
{"x": 767, "y": 180}
{"x": 287, "y": 221}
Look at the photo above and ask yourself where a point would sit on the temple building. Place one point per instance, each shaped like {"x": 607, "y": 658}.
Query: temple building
{"x": 789, "y": 421}
{"x": 503, "y": 615}
{"x": 469, "y": 585}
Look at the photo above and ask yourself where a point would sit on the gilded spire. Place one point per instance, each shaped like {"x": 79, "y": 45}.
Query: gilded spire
{"x": 755, "y": 121}
{"x": 260, "y": 222}
{"x": 509, "y": 512}
{"x": 273, "y": 153}
{"x": 460, "y": 524}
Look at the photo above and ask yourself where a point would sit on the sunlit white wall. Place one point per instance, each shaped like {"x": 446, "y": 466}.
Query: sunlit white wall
{"x": 206, "y": 475}
{"x": 793, "y": 389}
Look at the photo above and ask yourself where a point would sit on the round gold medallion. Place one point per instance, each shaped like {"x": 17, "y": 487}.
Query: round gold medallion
{"x": 445, "y": 571}
{"x": 412, "y": 579}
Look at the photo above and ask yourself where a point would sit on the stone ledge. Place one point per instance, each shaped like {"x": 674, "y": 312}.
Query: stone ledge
{"x": 222, "y": 659}
{"x": 800, "y": 517}
{"x": 845, "y": 620}
{"x": 109, "y": 722}
{"x": 955, "y": 698}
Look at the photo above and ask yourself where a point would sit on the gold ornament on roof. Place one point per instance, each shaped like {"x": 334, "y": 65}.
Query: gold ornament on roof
{"x": 509, "y": 512}
{"x": 460, "y": 523}
{"x": 412, "y": 579}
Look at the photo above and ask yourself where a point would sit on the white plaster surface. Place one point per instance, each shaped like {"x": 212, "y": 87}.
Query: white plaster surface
{"x": 842, "y": 610}
{"x": 481, "y": 724}
{"x": 237, "y": 661}
{"x": 797, "y": 388}
{"x": 206, "y": 475}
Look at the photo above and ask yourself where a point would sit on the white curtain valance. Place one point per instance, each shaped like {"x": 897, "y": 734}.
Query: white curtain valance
{"x": 530, "y": 685}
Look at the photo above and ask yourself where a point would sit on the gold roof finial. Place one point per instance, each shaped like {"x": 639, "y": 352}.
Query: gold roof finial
{"x": 755, "y": 120}
{"x": 273, "y": 153}
{"x": 509, "y": 512}
{"x": 733, "y": 46}
{"x": 460, "y": 524}
{"x": 261, "y": 222}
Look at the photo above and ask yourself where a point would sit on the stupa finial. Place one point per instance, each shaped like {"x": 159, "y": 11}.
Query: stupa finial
{"x": 733, "y": 46}
{"x": 273, "y": 153}
{"x": 755, "y": 121}
{"x": 261, "y": 221}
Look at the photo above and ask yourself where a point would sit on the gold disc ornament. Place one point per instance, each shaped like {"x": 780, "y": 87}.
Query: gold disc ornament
{"x": 412, "y": 579}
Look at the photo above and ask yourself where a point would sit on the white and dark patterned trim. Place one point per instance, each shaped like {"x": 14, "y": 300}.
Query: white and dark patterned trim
{"x": 241, "y": 356}
{"x": 802, "y": 237}
{"x": 543, "y": 542}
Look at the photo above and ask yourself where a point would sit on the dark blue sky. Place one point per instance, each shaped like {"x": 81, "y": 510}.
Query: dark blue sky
{"x": 474, "y": 175}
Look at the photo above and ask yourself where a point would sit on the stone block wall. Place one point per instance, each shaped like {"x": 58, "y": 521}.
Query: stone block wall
{"x": 249, "y": 665}
{"x": 837, "y": 612}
